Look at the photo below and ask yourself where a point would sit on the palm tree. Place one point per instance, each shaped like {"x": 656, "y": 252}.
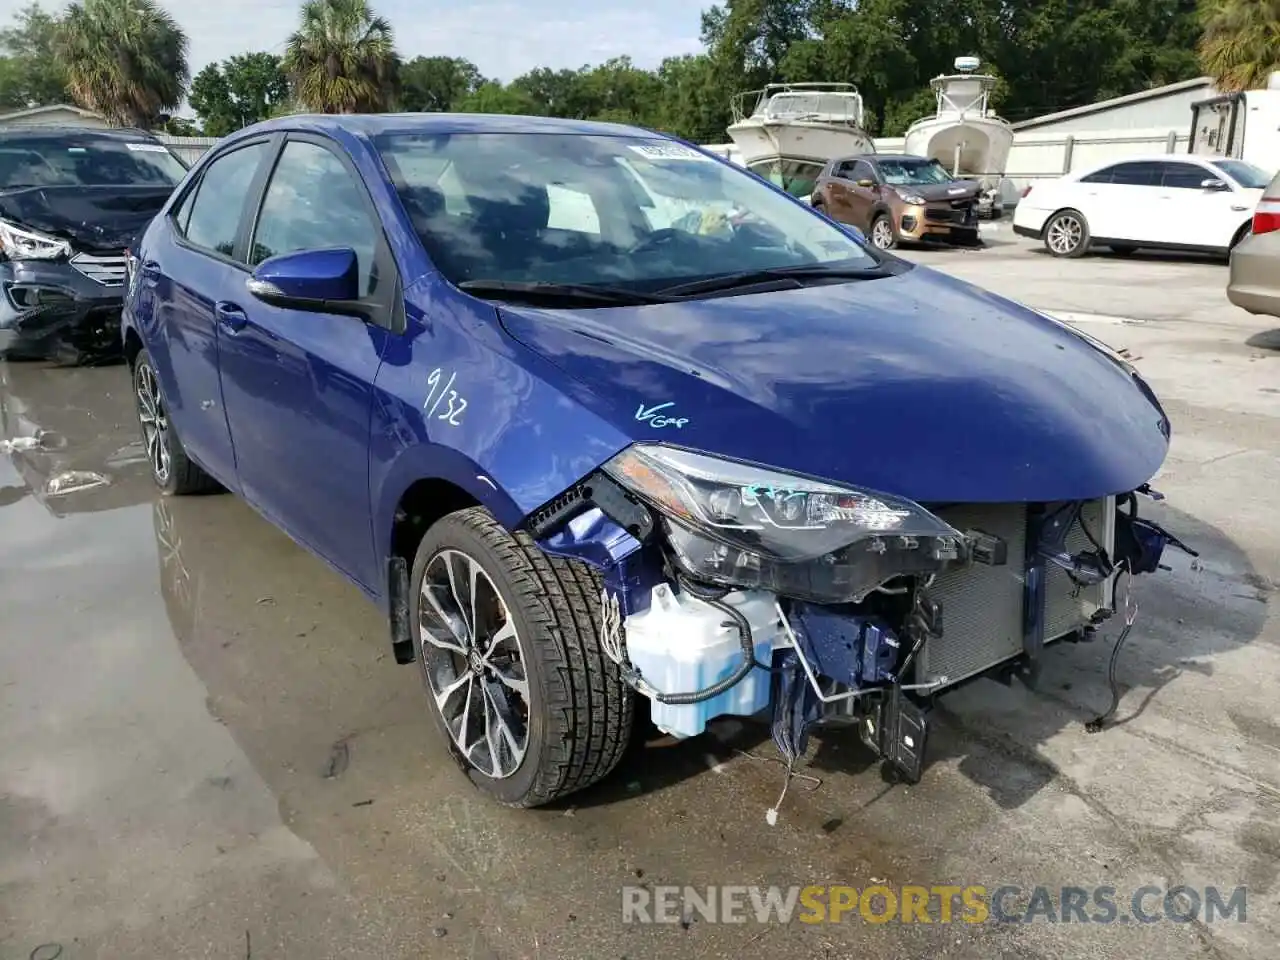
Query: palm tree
{"x": 126, "y": 59}
{"x": 342, "y": 58}
{"x": 1240, "y": 47}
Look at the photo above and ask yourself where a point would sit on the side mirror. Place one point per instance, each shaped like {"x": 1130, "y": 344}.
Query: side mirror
{"x": 323, "y": 281}
{"x": 1214, "y": 184}
{"x": 866, "y": 183}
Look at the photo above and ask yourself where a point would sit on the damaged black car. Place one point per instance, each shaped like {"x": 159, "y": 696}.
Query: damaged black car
{"x": 71, "y": 201}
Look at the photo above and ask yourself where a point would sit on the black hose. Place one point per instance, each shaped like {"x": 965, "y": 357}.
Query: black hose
{"x": 716, "y": 599}
{"x": 1097, "y": 723}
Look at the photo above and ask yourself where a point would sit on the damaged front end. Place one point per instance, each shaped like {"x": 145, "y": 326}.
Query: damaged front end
{"x": 731, "y": 589}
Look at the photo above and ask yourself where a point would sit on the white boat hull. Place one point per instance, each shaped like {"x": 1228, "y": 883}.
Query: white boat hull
{"x": 798, "y": 140}
{"x": 983, "y": 143}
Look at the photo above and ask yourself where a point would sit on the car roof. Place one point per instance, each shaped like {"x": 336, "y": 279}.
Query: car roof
{"x": 57, "y": 131}
{"x": 377, "y": 124}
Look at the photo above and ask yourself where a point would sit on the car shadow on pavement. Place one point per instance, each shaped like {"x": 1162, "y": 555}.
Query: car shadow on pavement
{"x": 1266, "y": 340}
{"x": 1146, "y": 256}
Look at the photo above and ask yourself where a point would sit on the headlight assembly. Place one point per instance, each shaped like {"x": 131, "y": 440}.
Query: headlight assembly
{"x": 19, "y": 244}
{"x": 912, "y": 198}
{"x": 745, "y": 526}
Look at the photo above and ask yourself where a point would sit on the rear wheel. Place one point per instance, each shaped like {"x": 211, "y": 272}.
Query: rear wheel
{"x": 508, "y": 644}
{"x": 1067, "y": 234}
{"x": 171, "y": 469}
{"x": 882, "y": 236}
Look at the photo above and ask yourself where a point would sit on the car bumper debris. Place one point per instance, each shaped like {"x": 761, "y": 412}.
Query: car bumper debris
{"x": 866, "y": 632}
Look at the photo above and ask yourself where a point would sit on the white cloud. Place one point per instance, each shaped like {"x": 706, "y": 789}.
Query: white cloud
{"x": 503, "y": 38}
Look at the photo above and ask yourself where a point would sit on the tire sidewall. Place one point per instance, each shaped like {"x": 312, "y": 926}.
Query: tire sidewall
{"x": 453, "y": 533}
{"x": 893, "y": 238}
{"x": 1080, "y": 248}
{"x": 143, "y": 359}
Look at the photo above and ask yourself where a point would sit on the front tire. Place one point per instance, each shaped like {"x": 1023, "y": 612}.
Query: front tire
{"x": 508, "y": 643}
{"x": 1067, "y": 234}
{"x": 882, "y": 235}
{"x": 171, "y": 469}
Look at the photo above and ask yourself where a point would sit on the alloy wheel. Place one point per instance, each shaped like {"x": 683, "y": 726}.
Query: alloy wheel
{"x": 882, "y": 234}
{"x": 1065, "y": 234}
{"x": 154, "y": 420}
{"x": 474, "y": 662}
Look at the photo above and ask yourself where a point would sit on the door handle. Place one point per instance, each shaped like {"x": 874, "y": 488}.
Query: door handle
{"x": 230, "y": 315}
{"x": 1239, "y": 207}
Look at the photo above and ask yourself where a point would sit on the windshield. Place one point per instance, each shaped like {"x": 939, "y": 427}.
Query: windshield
{"x": 637, "y": 214}
{"x": 86, "y": 161}
{"x": 1245, "y": 174}
{"x": 902, "y": 172}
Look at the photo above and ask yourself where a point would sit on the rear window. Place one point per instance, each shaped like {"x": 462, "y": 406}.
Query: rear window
{"x": 86, "y": 162}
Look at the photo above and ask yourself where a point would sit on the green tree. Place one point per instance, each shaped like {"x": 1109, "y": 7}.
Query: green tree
{"x": 126, "y": 59}
{"x": 242, "y": 90}
{"x": 436, "y": 84}
{"x": 493, "y": 97}
{"x": 1240, "y": 48}
{"x": 342, "y": 58}
{"x": 555, "y": 93}
{"x": 33, "y": 75}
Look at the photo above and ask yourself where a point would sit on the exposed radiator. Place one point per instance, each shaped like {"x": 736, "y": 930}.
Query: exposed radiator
{"x": 982, "y": 605}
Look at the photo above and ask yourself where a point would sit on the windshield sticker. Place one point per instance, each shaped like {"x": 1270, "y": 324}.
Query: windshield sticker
{"x": 455, "y": 405}
{"x": 146, "y": 147}
{"x": 658, "y": 422}
{"x": 669, "y": 151}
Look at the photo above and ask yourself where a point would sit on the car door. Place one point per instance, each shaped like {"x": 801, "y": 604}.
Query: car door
{"x": 1194, "y": 215}
{"x": 1121, "y": 202}
{"x": 191, "y": 265}
{"x": 297, "y": 383}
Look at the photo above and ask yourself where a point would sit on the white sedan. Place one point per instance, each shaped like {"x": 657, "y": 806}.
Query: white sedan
{"x": 1165, "y": 202}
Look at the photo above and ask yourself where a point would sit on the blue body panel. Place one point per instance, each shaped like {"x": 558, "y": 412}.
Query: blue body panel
{"x": 919, "y": 385}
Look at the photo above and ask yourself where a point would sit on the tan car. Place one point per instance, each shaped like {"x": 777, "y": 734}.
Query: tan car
{"x": 892, "y": 197}
{"x": 1255, "y": 260}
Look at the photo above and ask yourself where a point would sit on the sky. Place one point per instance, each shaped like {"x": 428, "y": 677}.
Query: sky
{"x": 504, "y": 38}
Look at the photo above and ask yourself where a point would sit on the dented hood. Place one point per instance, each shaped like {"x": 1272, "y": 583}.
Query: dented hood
{"x": 919, "y": 385}
{"x": 93, "y": 218}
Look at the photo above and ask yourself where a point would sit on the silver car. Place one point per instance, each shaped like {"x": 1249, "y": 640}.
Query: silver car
{"x": 1255, "y": 261}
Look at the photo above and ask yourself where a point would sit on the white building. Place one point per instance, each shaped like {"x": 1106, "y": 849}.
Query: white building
{"x": 54, "y": 115}
{"x": 1166, "y": 108}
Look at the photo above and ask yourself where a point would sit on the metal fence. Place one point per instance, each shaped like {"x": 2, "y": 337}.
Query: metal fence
{"x": 189, "y": 149}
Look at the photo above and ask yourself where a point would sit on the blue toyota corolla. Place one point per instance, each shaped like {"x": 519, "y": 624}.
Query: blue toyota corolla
{"x": 596, "y": 416}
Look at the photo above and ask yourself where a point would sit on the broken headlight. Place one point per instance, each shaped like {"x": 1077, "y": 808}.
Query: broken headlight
{"x": 19, "y": 244}
{"x": 745, "y": 526}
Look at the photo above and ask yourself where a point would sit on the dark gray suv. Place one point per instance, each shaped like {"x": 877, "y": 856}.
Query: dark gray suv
{"x": 71, "y": 201}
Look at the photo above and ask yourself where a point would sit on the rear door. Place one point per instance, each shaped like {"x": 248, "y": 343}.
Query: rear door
{"x": 1121, "y": 202}
{"x": 191, "y": 265}
{"x": 298, "y": 384}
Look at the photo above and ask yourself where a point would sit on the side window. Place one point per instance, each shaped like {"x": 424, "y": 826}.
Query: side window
{"x": 1102, "y": 176}
{"x": 182, "y": 214}
{"x": 1139, "y": 174}
{"x": 863, "y": 171}
{"x": 845, "y": 170}
{"x": 571, "y": 210}
{"x": 1185, "y": 176}
{"x": 213, "y": 219}
{"x": 313, "y": 202}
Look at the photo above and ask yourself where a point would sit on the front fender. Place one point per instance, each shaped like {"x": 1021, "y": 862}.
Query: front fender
{"x": 527, "y": 432}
